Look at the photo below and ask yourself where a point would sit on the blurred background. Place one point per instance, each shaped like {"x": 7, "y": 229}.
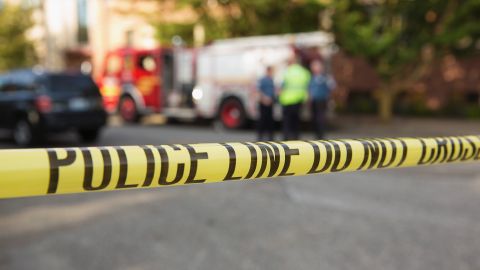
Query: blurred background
{"x": 130, "y": 72}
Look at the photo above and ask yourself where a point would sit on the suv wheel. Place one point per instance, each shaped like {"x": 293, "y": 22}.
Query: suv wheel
{"x": 23, "y": 134}
{"x": 89, "y": 135}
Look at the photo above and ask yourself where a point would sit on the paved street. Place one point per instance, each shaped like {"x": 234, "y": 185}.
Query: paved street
{"x": 415, "y": 218}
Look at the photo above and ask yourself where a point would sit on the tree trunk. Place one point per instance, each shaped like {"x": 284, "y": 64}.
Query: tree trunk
{"x": 385, "y": 104}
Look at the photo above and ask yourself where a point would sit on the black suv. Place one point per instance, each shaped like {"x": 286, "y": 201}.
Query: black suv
{"x": 34, "y": 103}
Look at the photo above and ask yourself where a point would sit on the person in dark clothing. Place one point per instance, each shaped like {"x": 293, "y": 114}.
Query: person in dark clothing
{"x": 319, "y": 90}
{"x": 266, "y": 91}
{"x": 291, "y": 121}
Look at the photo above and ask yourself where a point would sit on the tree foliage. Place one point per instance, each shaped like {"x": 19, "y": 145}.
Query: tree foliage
{"x": 16, "y": 51}
{"x": 401, "y": 40}
{"x": 235, "y": 18}
{"x": 393, "y": 34}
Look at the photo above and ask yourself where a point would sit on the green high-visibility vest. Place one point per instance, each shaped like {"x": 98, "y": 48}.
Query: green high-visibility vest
{"x": 295, "y": 85}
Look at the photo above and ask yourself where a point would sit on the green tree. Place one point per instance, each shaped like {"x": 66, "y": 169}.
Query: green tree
{"x": 236, "y": 18}
{"x": 16, "y": 51}
{"x": 401, "y": 40}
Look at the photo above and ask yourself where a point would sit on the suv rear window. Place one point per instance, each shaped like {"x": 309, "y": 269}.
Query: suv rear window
{"x": 71, "y": 84}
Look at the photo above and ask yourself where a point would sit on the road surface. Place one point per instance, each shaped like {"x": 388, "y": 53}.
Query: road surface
{"x": 416, "y": 218}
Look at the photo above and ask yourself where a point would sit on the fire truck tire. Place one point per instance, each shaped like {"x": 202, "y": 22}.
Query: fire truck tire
{"x": 232, "y": 114}
{"x": 128, "y": 110}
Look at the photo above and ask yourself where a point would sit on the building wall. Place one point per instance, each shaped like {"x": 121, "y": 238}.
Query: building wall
{"x": 450, "y": 79}
{"x": 54, "y": 29}
{"x": 60, "y": 22}
{"x": 114, "y": 24}
{"x": 110, "y": 24}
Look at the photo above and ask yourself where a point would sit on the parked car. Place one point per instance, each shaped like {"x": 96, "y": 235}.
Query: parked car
{"x": 33, "y": 104}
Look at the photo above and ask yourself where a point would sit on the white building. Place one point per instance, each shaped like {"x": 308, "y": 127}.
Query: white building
{"x": 69, "y": 33}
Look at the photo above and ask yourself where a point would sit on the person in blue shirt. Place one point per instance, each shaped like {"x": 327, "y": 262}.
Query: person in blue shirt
{"x": 320, "y": 87}
{"x": 266, "y": 99}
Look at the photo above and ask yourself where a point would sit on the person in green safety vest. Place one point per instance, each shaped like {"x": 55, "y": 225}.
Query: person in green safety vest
{"x": 293, "y": 93}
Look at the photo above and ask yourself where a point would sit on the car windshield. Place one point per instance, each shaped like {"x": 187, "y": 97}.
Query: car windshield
{"x": 71, "y": 84}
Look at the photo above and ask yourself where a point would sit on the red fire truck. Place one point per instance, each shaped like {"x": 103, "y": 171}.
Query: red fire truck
{"x": 215, "y": 81}
{"x": 134, "y": 81}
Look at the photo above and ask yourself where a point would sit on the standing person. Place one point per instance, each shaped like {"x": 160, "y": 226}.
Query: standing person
{"x": 293, "y": 93}
{"x": 266, "y": 90}
{"x": 319, "y": 89}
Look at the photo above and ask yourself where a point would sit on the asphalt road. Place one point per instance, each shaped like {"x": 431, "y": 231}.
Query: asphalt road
{"x": 417, "y": 218}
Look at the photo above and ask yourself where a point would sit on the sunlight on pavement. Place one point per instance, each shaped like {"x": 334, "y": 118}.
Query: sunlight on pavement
{"x": 48, "y": 217}
{"x": 154, "y": 119}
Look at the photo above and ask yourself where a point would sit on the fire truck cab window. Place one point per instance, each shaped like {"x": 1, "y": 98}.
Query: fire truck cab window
{"x": 114, "y": 65}
{"x": 147, "y": 63}
{"x": 167, "y": 71}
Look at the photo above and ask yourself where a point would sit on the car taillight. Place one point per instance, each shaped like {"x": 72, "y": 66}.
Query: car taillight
{"x": 43, "y": 104}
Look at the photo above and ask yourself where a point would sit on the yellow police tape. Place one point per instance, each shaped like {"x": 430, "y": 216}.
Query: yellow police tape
{"x": 32, "y": 172}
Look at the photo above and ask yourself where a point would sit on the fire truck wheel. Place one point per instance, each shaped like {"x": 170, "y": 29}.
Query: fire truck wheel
{"x": 128, "y": 110}
{"x": 232, "y": 114}
{"x": 172, "y": 120}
